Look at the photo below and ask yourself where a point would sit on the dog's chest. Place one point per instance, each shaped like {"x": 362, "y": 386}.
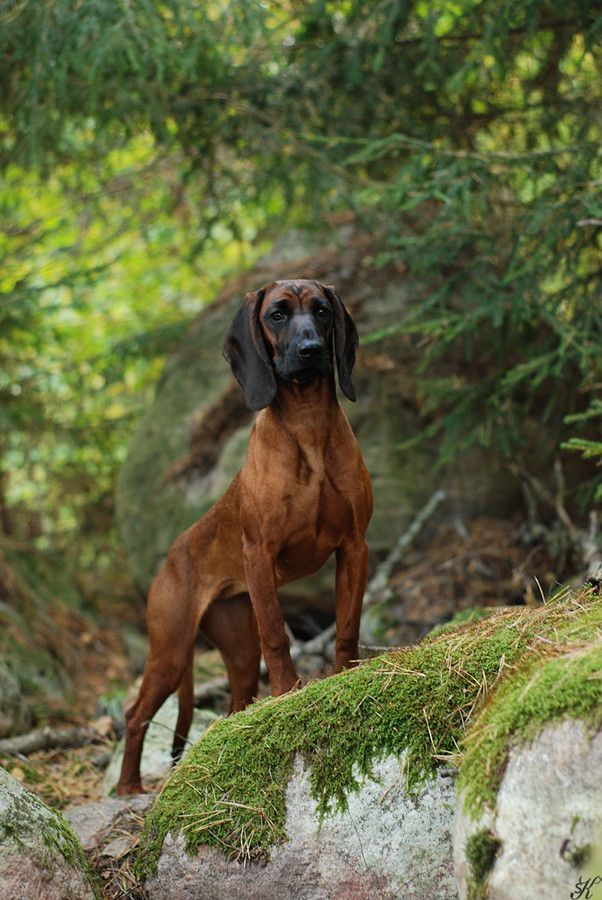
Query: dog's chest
{"x": 313, "y": 517}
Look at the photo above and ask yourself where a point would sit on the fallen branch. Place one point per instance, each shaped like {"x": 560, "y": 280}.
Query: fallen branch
{"x": 378, "y": 589}
{"x": 49, "y": 739}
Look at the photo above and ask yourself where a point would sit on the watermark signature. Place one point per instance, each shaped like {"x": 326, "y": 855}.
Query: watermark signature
{"x": 583, "y": 888}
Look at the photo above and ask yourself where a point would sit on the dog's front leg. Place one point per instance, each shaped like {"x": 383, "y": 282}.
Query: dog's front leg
{"x": 352, "y": 572}
{"x": 261, "y": 582}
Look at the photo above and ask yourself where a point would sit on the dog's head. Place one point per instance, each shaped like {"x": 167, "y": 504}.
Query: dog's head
{"x": 289, "y": 330}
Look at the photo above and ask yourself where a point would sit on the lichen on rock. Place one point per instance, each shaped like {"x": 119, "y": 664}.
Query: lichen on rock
{"x": 40, "y": 854}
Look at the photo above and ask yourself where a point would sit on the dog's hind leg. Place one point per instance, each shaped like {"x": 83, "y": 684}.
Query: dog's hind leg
{"x": 172, "y": 626}
{"x": 186, "y": 705}
{"x": 162, "y": 676}
{"x": 231, "y": 627}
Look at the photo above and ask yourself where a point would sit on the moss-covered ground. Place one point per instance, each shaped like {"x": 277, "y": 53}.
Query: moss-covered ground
{"x": 229, "y": 791}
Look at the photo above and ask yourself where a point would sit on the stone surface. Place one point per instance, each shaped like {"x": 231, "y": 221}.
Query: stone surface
{"x": 156, "y": 755}
{"x": 94, "y": 822}
{"x": 39, "y": 858}
{"x": 386, "y": 845}
{"x": 549, "y": 808}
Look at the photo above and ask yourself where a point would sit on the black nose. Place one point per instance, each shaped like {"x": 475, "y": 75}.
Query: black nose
{"x": 309, "y": 347}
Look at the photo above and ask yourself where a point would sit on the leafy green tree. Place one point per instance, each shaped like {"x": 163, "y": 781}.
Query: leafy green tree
{"x": 465, "y": 136}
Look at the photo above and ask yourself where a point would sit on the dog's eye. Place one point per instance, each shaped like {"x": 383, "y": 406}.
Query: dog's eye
{"x": 278, "y": 315}
{"x": 323, "y": 312}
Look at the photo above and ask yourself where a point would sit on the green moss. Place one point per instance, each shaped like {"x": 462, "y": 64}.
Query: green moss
{"x": 29, "y": 823}
{"x": 463, "y": 617}
{"x": 560, "y": 677}
{"x": 229, "y": 791}
{"x": 481, "y": 850}
{"x": 59, "y": 836}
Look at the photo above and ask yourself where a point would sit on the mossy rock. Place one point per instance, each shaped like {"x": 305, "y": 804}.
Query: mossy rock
{"x": 542, "y": 825}
{"x": 530, "y": 784}
{"x": 465, "y": 697}
{"x": 40, "y": 855}
{"x": 193, "y": 438}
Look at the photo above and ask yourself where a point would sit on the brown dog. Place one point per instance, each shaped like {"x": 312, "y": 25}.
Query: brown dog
{"x": 303, "y": 492}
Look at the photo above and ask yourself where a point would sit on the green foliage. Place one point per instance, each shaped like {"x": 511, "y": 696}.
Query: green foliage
{"x": 145, "y": 145}
{"x": 589, "y": 449}
{"x": 102, "y": 273}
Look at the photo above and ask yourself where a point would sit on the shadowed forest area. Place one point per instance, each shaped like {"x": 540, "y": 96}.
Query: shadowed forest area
{"x": 439, "y": 163}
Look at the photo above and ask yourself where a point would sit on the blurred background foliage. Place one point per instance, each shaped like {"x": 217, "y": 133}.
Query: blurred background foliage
{"x": 150, "y": 149}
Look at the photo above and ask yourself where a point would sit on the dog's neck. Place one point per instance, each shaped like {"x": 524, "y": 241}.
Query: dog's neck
{"x": 307, "y": 411}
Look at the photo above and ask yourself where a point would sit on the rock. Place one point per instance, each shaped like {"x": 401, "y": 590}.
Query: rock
{"x": 93, "y": 823}
{"x": 309, "y": 664}
{"x": 547, "y": 816}
{"x": 156, "y": 756}
{"x": 40, "y": 856}
{"x": 386, "y": 845}
{"x": 119, "y": 846}
{"x": 371, "y": 813}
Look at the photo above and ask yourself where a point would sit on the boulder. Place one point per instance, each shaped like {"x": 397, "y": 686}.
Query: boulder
{"x": 347, "y": 787}
{"x": 193, "y": 438}
{"x": 40, "y": 856}
{"x": 384, "y": 844}
{"x": 94, "y": 823}
{"x": 539, "y": 837}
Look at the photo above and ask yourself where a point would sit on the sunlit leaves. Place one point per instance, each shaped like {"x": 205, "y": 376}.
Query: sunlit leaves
{"x": 148, "y": 149}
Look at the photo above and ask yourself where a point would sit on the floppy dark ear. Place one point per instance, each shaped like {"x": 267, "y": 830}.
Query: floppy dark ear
{"x": 345, "y": 341}
{"x": 245, "y": 350}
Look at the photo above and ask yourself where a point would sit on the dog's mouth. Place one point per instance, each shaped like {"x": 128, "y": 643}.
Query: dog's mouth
{"x": 303, "y": 374}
